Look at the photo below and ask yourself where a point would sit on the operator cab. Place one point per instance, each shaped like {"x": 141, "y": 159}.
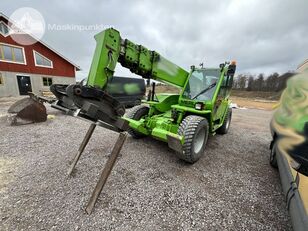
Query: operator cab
{"x": 202, "y": 84}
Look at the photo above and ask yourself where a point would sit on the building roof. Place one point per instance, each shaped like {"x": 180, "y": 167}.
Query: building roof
{"x": 44, "y": 44}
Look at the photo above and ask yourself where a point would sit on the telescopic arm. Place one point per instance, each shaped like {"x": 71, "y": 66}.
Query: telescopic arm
{"x": 112, "y": 49}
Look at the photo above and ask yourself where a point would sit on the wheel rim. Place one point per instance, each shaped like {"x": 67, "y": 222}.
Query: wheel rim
{"x": 199, "y": 140}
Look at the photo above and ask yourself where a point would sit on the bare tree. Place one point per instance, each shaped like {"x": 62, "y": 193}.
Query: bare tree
{"x": 242, "y": 82}
{"x": 250, "y": 83}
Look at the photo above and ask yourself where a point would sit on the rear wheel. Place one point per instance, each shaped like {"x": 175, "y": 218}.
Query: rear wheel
{"x": 226, "y": 124}
{"x": 137, "y": 113}
{"x": 195, "y": 130}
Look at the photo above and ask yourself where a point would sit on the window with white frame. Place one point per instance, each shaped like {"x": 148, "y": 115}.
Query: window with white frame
{"x": 12, "y": 54}
{"x": 4, "y": 29}
{"x": 47, "y": 81}
{"x": 41, "y": 60}
{"x": 1, "y": 79}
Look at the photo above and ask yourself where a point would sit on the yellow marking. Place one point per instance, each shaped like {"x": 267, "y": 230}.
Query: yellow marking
{"x": 290, "y": 139}
{"x": 1, "y": 52}
{"x": 303, "y": 190}
{"x": 276, "y": 105}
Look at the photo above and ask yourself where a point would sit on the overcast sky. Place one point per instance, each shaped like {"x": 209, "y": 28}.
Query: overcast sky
{"x": 263, "y": 36}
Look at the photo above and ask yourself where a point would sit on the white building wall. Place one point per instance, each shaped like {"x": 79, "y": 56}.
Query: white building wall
{"x": 10, "y": 85}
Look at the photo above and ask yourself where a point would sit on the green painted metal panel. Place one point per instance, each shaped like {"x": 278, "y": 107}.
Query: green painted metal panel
{"x": 105, "y": 57}
{"x": 168, "y": 72}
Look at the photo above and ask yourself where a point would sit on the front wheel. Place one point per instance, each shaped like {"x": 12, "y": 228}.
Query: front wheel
{"x": 195, "y": 130}
{"x": 137, "y": 113}
{"x": 226, "y": 124}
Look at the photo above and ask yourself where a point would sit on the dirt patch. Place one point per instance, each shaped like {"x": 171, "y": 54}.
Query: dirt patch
{"x": 256, "y": 94}
{"x": 165, "y": 89}
{"x": 254, "y": 103}
{"x": 247, "y": 99}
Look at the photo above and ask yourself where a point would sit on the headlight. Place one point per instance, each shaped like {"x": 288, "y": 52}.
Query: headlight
{"x": 199, "y": 106}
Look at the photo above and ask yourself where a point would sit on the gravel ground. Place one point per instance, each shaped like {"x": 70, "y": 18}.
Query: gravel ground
{"x": 232, "y": 187}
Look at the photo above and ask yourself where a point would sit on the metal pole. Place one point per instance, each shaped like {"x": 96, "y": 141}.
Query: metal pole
{"x": 106, "y": 171}
{"x": 82, "y": 147}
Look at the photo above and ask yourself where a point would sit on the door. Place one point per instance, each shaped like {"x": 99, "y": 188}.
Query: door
{"x": 221, "y": 103}
{"x": 24, "y": 84}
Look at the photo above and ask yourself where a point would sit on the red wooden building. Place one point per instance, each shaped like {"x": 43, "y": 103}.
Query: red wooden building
{"x": 30, "y": 68}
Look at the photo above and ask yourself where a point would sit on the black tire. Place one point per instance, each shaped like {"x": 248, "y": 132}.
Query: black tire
{"x": 273, "y": 155}
{"x": 137, "y": 102}
{"x": 195, "y": 130}
{"x": 136, "y": 113}
{"x": 226, "y": 124}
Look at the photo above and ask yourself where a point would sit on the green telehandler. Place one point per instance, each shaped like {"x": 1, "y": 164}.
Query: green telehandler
{"x": 182, "y": 120}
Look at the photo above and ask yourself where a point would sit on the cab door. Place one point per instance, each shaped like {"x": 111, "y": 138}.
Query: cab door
{"x": 221, "y": 104}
